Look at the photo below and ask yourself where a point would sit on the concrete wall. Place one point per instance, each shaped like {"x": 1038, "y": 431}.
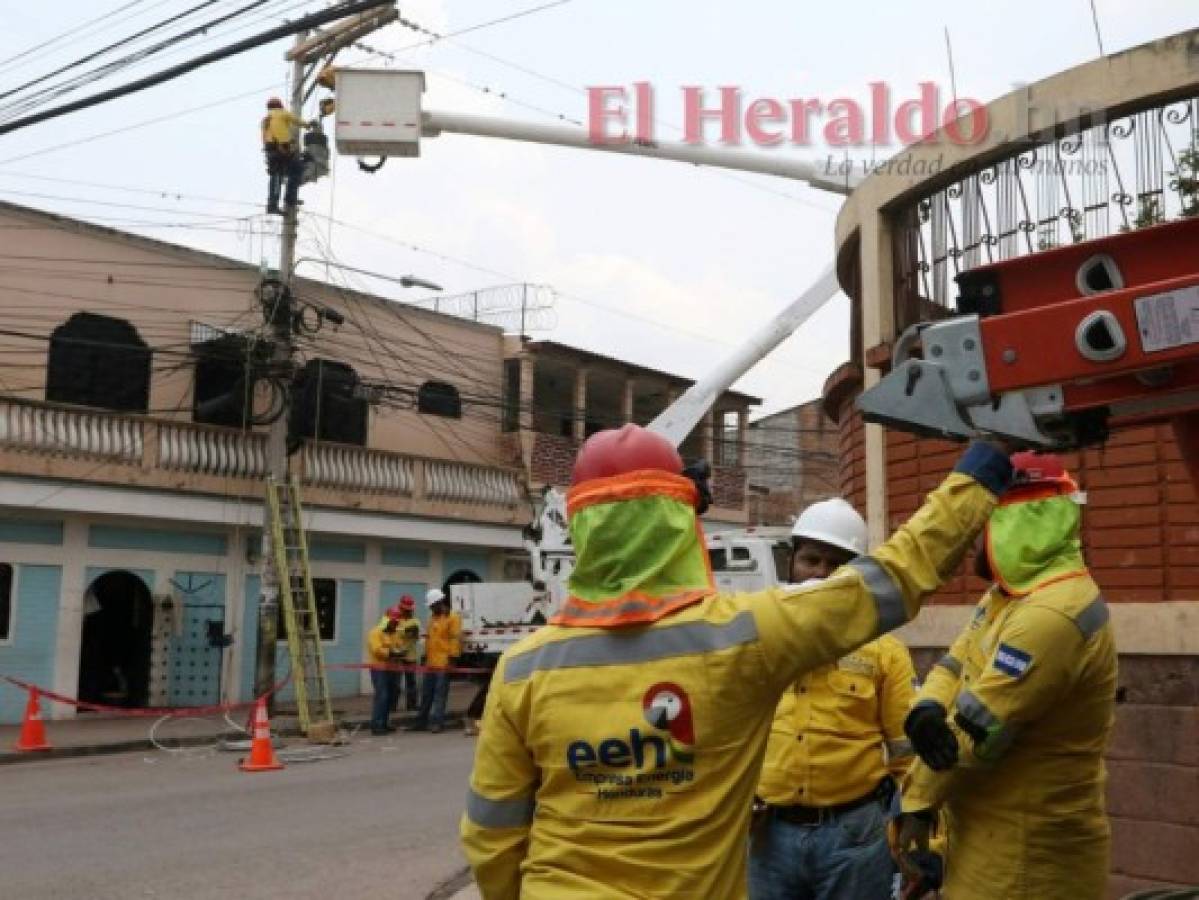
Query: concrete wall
{"x": 56, "y": 558}
{"x": 162, "y": 290}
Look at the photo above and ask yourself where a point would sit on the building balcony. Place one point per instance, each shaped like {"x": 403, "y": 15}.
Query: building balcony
{"x": 77, "y": 444}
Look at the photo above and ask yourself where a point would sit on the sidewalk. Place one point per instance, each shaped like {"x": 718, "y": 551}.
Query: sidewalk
{"x": 89, "y": 734}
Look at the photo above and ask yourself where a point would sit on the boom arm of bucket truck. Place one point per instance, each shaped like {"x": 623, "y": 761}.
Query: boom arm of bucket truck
{"x": 1057, "y": 349}
{"x": 379, "y": 113}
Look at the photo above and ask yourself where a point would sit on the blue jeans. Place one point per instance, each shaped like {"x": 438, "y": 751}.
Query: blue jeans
{"x": 435, "y": 691}
{"x": 384, "y": 684}
{"x": 282, "y": 168}
{"x": 845, "y": 857}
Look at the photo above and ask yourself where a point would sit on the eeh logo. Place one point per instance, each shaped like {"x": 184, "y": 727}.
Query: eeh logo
{"x": 667, "y": 707}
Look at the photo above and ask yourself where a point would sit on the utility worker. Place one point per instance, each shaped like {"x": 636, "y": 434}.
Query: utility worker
{"x": 409, "y": 628}
{"x": 1031, "y": 687}
{"x": 283, "y": 159}
{"x": 442, "y": 649}
{"x": 836, "y": 749}
{"x": 382, "y": 649}
{"x": 621, "y": 743}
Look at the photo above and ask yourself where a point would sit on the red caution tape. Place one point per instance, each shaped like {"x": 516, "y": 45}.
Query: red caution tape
{"x": 145, "y": 712}
{"x": 406, "y": 667}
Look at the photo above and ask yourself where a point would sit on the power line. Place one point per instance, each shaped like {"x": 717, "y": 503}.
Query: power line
{"x": 63, "y": 35}
{"x": 305, "y": 24}
{"x": 98, "y": 53}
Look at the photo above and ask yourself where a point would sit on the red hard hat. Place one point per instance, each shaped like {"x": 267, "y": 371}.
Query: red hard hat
{"x": 407, "y": 603}
{"x": 617, "y": 451}
{"x": 274, "y": 103}
{"x": 393, "y": 613}
{"x": 1038, "y": 468}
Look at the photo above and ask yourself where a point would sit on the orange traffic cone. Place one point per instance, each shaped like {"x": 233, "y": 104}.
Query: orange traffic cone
{"x": 33, "y": 731}
{"x": 262, "y": 752}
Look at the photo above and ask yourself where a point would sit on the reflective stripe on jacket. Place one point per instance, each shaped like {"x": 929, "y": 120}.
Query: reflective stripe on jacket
{"x": 1030, "y": 686}
{"x": 838, "y": 731}
{"x": 621, "y": 762}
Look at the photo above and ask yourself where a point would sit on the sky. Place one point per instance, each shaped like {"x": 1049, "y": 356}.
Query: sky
{"x": 661, "y": 264}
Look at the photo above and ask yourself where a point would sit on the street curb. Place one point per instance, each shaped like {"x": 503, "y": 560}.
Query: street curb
{"x": 142, "y": 744}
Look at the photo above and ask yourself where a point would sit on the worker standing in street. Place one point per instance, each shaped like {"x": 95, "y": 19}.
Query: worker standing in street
{"x": 383, "y": 649}
{"x": 1031, "y": 688}
{"x": 284, "y": 162}
{"x": 836, "y": 750}
{"x": 409, "y": 628}
{"x": 621, "y": 743}
{"x": 443, "y": 646}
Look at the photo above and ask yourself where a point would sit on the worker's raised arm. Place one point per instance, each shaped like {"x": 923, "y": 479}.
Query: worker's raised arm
{"x": 803, "y": 627}
{"x": 499, "y": 802}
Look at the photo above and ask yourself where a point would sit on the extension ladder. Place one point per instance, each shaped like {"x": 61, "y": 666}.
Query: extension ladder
{"x": 298, "y": 601}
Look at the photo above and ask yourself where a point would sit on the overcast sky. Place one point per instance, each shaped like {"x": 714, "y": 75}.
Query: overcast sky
{"x": 662, "y": 264}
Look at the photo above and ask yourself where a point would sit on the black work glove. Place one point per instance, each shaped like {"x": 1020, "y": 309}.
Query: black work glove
{"x": 931, "y": 736}
{"x": 700, "y": 472}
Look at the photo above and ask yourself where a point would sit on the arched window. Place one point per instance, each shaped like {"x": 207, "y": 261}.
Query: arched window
{"x": 327, "y": 405}
{"x": 98, "y": 361}
{"x": 223, "y": 383}
{"x": 436, "y": 398}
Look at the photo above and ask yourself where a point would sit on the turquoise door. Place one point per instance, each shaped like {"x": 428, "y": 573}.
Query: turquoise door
{"x": 195, "y": 647}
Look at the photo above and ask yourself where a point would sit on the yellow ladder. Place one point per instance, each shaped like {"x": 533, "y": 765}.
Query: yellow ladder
{"x": 298, "y": 601}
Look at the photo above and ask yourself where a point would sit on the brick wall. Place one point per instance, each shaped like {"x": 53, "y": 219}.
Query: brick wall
{"x": 728, "y": 487}
{"x": 1141, "y": 538}
{"x": 793, "y": 460}
{"x": 553, "y": 459}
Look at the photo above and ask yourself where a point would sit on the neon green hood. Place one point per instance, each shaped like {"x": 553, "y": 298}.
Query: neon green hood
{"x": 639, "y": 550}
{"x": 1032, "y": 542}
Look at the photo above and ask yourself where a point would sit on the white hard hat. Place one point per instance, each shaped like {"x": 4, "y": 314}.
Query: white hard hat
{"x": 832, "y": 522}
{"x": 434, "y": 596}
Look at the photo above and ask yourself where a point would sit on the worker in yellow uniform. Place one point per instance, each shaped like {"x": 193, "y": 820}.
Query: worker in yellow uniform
{"x": 383, "y": 649}
{"x": 836, "y": 749}
{"x": 443, "y": 646}
{"x": 622, "y": 743}
{"x": 282, "y": 150}
{"x": 409, "y": 652}
{"x": 1031, "y": 686}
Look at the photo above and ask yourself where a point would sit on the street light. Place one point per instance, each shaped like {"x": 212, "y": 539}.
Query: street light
{"x": 405, "y": 281}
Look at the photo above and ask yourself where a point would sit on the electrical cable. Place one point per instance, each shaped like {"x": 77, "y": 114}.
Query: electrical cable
{"x": 307, "y": 23}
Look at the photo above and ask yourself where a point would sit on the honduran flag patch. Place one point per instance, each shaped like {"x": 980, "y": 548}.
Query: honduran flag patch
{"x": 1011, "y": 661}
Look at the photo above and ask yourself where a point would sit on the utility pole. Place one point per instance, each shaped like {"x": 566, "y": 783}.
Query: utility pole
{"x": 276, "y": 452}
{"x": 306, "y": 50}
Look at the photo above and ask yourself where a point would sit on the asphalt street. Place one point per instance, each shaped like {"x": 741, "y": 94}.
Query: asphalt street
{"x": 380, "y": 822}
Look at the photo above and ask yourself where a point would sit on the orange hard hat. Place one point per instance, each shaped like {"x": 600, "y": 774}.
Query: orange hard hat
{"x": 629, "y": 448}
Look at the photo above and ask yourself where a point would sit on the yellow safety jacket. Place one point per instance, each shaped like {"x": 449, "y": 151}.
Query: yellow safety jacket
{"x": 620, "y": 762}
{"x": 444, "y": 641}
{"x": 278, "y": 128}
{"x": 409, "y": 631}
{"x": 409, "y": 638}
{"x": 1030, "y": 686}
{"x": 838, "y": 731}
{"x": 379, "y": 644}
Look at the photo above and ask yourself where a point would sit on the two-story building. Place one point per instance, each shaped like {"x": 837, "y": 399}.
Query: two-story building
{"x": 136, "y": 388}
{"x": 557, "y": 395}
{"x": 131, "y": 474}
